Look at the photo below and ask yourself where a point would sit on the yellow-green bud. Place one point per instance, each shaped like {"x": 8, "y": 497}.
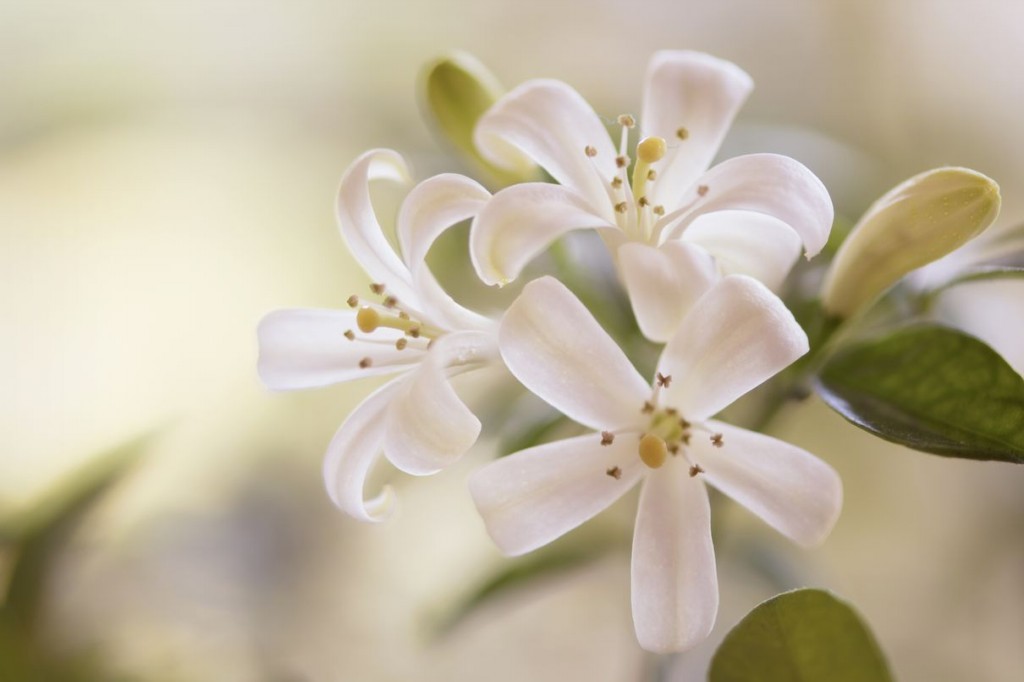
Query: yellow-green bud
{"x": 456, "y": 91}
{"x": 915, "y": 223}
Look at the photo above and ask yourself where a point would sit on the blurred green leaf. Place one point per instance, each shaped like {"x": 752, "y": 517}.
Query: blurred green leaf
{"x": 801, "y": 636}
{"x": 41, "y": 532}
{"x": 932, "y": 389}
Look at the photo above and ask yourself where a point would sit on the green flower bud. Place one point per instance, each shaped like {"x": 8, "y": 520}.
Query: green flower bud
{"x": 457, "y": 89}
{"x": 915, "y": 223}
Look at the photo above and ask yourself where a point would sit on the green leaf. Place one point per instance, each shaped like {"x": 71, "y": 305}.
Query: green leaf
{"x": 932, "y": 389}
{"x": 800, "y": 636}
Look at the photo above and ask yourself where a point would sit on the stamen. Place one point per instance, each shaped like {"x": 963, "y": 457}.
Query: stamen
{"x": 648, "y": 407}
{"x": 716, "y": 440}
{"x": 390, "y": 302}
{"x": 402, "y": 315}
{"x": 353, "y": 301}
{"x": 696, "y": 469}
{"x": 663, "y": 379}
{"x": 377, "y": 288}
{"x": 590, "y": 151}
{"x": 365, "y": 363}
{"x": 616, "y": 182}
{"x": 401, "y": 343}
{"x": 642, "y": 201}
{"x": 627, "y": 121}
{"x": 614, "y": 472}
{"x": 702, "y": 190}
{"x": 652, "y": 174}
{"x": 653, "y": 451}
{"x": 682, "y": 133}
{"x": 621, "y": 207}
{"x": 607, "y": 438}
{"x": 414, "y": 332}
{"x": 621, "y": 161}
{"x": 368, "y": 319}
{"x": 659, "y": 210}
{"x": 350, "y": 335}
{"x": 673, "y": 449}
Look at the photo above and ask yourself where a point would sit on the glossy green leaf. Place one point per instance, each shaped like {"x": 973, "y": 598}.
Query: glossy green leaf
{"x": 801, "y": 636}
{"x": 932, "y": 389}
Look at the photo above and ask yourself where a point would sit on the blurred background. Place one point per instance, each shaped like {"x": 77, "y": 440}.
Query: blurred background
{"x": 167, "y": 173}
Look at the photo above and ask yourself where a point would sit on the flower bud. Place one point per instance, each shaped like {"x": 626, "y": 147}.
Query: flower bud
{"x": 915, "y": 223}
{"x": 457, "y": 89}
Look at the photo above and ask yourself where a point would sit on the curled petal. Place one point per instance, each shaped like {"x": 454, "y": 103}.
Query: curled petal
{"x": 734, "y": 338}
{"x": 674, "y": 584}
{"x": 428, "y": 426}
{"x": 552, "y": 124}
{"x": 432, "y": 207}
{"x": 534, "y": 496}
{"x": 441, "y": 310}
{"x": 700, "y": 94}
{"x": 664, "y": 282}
{"x": 764, "y": 183}
{"x": 354, "y": 450}
{"x": 794, "y": 492}
{"x": 358, "y": 221}
{"x": 556, "y": 348}
{"x": 305, "y": 348}
{"x": 520, "y": 222}
{"x": 747, "y": 243}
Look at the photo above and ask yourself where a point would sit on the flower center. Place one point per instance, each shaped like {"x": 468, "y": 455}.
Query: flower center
{"x": 388, "y": 314}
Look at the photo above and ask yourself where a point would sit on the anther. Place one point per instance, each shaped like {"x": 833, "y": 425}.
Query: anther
{"x": 353, "y": 301}
{"x": 685, "y": 438}
{"x": 684, "y": 424}
{"x": 659, "y": 210}
{"x": 696, "y": 469}
{"x": 682, "y": 133}
{"x": 663, "y": 379}
{"x": 414, "y": 332}
{"x": 621, "y": 207}
{"x": 653, "y": 451}
{"x": 627, "y": 121}
{"x": 652, "y": 174}
{"x": 377, "y": 288}
{"x": 368, "y": 319}
{"x": 621, "y": 161}
{"x": 642, "y": 201}
{"x": 702, "y": 190}
{"x": 673, "y": 449}
{"x": 590, "y": 151}
{"x": 390, "y": 302}
{"x": 648, "y": 407}
{"x": 614, "y": 472}
{"x": 400, "y": 344}
{"x": 402, "y": 315}
{"x": 365, "y": 363}
{"x": 716, "y": 440}
{"x": 607, "y": 438}
{"x": 651, "y": 149}
{"x": 616, "y": 182}
{"x": 350, "y": 335}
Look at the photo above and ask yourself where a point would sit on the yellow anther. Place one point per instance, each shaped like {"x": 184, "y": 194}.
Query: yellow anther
{"x": 653, "y": 451}
{"x": 365, "y": 363}
{"x": 621, "y": 161}
{"x": 350, "y": 335}
{"x": 353, "y": 301}
{"x": 696, "y": 469}
{"x": 377, "y": 288}
{"x": 627, "y": 121}
{"x": 401, "y": 343}
{"x": 702, "y": 190}
{"x": 607, "y": 438}
{"x": 682, "y": 133}
{"x": 651, "y": 149}
{"x": 616, "y": 182}
{"x": 590, "y": 151}
{"x": 368, "y": 320}
{"x": 621, "y": 207}
{"x": 614, "y": 472}
{"x": 652, "y": 174}
{"x": 659, "y": 210}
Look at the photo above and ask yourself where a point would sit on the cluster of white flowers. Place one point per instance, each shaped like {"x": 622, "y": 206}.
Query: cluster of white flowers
{"x": 698, "y": 251}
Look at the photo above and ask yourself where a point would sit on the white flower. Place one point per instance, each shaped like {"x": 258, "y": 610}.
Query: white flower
{"x": 734, "y": 338}
{"x": 413, "y": 328}
{"x": 677, "y": 227}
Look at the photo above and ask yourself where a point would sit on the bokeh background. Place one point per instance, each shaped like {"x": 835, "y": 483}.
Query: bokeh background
{"x": 167, "y": 173}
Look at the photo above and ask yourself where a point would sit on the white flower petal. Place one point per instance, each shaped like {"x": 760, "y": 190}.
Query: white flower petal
{"x": 674, "y": 583}
{"x": 440, "y": 310}
{"x": 664, "y": 282}
{"x": 520, "y": 222}
{"x": 304, "y": 348}
{"x": 432, "y": 207}
{"x": 553, "y": 125}
{"x": 747, "y": 243}
{"x": 534, "y": 496}
{"x": 358, "y": 221}
{"x": 765, "y": 183}
{"x": 354, "y": 450}
{"x": 697, "y": 92}
{"x": 428, "y": 426}
{"x": 733, "y": 339}
{"x": 556, "y": 348}
{"x": 794, "y": 492}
